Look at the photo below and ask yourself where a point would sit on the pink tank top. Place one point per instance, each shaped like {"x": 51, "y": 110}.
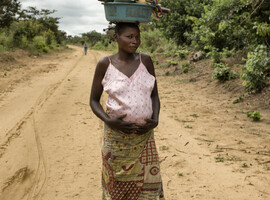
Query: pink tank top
{"x": 129, "y": 95}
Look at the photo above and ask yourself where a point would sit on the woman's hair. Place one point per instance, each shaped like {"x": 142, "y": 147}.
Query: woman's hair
{"x": 120, "y": 26}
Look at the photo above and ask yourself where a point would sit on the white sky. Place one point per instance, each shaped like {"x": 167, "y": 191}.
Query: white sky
{"x": 77, "y": 16}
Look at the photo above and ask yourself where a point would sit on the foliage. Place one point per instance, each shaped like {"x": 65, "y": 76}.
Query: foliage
{"x": 8, "y": 11}
{"x": 151, "y": 39}
{"x": 5, "y": 41}
{"x": 39, "y": 44}
{"x": 226, "y": 53}
{"x": 181, "y": 53}
{"x": 45, "y": 21}
{"x": 33, "y": 29}
{"x": 257, "y": 69}
{"x": 186, "y": 67}
{"x": 223, "y": 73}
{"x": 99, "y": 46}
{"x": 213, "y": 53}
{"x": 92, "y": 38}
{"x": 256, "y": 116}
{"x": 178, "y": 25}
{"x": 172, "y": 63}
{"x": 239, "y": 99}
{"x": 185, "y": 64}
{"x": 185, "y": 70}
{"x": 217, "y": 24}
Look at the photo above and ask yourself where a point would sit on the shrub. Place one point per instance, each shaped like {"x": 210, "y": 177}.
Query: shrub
{"x": 226, "y": 53}
{"x": 172, "y": 63}
{"x": 5, "y": 41}
{"x": 256, "y": 116}
{"x": 255, "y": 72}
{"x": 23, "y": 29}
{"x": 2, "y": 48}
{"x": 185, "y": 70}
{"x": 181, "y": 53}
{"x": 185, "y": 64}
{"x": 223, "y": 73}
{"x": 99, "y": 46}
{"x": 151, "y": 40}
{"x": 112, "y": 47}
{"x": 39, "y": 45}
{"x": 49, "y": 37}
{"x": 239, "y": 99}
{"x": 213, "y": 54}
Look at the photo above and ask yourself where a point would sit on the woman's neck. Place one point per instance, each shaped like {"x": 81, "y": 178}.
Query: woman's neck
{"x": 124, "y": 56}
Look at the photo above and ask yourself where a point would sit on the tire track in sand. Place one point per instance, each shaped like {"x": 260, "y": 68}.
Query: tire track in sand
{"x": 41, "y": 174}
{"x": 28, "y": 121}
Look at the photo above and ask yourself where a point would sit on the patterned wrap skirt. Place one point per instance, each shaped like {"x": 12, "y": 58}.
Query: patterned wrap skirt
{"x": 130, "y": 167}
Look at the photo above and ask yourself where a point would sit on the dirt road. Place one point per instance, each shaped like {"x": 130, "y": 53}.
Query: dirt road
{"x": 50, "y": 140}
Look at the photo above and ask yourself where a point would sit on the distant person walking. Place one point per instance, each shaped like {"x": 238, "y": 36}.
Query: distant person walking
{"x": 85, "y": 49}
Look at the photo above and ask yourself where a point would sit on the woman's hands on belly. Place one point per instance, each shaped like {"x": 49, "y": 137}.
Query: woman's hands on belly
{"x": 129, "y": 127}
{"x": 149, "y": 125}
{"x": 121, "y": 125}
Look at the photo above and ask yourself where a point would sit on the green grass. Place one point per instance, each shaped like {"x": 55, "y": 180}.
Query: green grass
{"x": 194, "y": 115}
{"x": 180, "y": 174}
{"x": 163, "y": 148}
{"x": 219, "y": 159}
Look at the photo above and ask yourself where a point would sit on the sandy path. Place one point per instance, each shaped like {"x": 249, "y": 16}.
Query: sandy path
{"x": 47, "y": 147}
{"x": 50, "y": 140}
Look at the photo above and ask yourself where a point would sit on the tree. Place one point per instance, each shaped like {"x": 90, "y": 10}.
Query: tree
{"x": 8, "y": 11}
{"x": 92, "y": 37}
{"x": 178, "y": 24}
{"x": 43, "y": 19}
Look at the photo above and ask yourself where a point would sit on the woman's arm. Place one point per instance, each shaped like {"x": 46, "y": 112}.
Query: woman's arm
{"x": 97, "y": 90}
{"x": 154, "y": 96}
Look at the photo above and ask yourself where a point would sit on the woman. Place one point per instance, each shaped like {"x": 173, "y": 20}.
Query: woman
{"x": 130, "y": 161}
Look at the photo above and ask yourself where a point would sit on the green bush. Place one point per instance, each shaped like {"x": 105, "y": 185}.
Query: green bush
{"x": 231, "y": 24}
{"x": 256, "y": 116}
{"x": 39, "y": 45}
{"x": 32, "y": 29}
{"x": 24, "y": 42}
{"x": 185, "y": 64}
{"x": 172, "y": 63}
{"x": 181, "y": 53}
{"x": 2, "y": 48}
{"x": 22, "y": 29}
{"x": 213, "y": 54}
{"x": 99, "y": 46}
{"x": 49, "y": 38}
{"x": 185, "y": 70}
{"x": 112, "y": 47}
{"x": 223, "y": 73}
{"x": 226, "y": 53}
{"x": 151, "y": 40}
{"x": 239, "y": 99}
{"x": 5, "y": 41}
{"x": 255, "y": 72}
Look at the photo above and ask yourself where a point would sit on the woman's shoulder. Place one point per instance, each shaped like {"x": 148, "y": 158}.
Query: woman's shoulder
{"x": 148, "y": 63}
{"x": 104, "y": 61}
{"x": 102, "y": 66}
{"x": 145, "y": 56}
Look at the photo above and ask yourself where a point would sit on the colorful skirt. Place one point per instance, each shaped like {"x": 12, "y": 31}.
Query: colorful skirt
{"x": 130, "y": 167}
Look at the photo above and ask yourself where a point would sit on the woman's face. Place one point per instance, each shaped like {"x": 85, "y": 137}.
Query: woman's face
{"x": 129, "y": 39}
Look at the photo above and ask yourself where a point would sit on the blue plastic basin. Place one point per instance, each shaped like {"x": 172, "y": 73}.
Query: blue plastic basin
{"x": 128, "y": 12}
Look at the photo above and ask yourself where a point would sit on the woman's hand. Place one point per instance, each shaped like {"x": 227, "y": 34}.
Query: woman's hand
{"x": 150, "y": 124}
{"x": 121, "y": 125}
